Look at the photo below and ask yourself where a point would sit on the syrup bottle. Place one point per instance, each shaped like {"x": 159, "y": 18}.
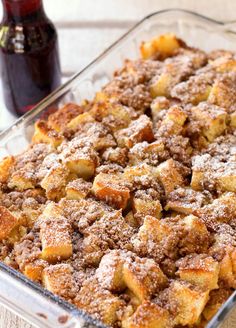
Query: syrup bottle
{"x": 29, "y": 60}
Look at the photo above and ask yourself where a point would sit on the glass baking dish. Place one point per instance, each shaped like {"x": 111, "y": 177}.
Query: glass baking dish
{"x": 19, "y": 294}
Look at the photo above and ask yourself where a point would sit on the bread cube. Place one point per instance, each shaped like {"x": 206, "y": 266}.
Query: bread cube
{"x": 195, "y": 57}
{"x": 173, "y": 122}
{"x": 201, "y": 165}
{"x": 31, "y": 214}
{"x": 99, "y": 302}
{"x": 161, "y": 87}
{"x": 55, "y": 236}
{"x": 218, "y": 53}
{"x": 78, "y": 189}
{"x": 176, "y": 114}
{"x": 131, "y": 220}
{"x": 158, "y": 104}
{"x": 53, "y": 249}
{"x": 174, "y": 71}
{"x": 223, "y": 93}
{"x": 19, "y": 231}
{"x": 161, "y": 46}
{"x": 93, "y": 249}
{"x": 143, "y": 277}
{"x": 153, "y": 229}
{"x": 202, "y": 271}
{"x": 116, "y": 155}
{"x": 227, "y": 205}
{"x": 83, "y": 167}
{"x": 185, "y": 200}
{"x": 110, "y": 188}
{"x": 233, "y": 119}
{"x": 145, "y": 207}
{"x": 113, "y": 115}
{"x": 190, "y": 302}
{"x": 23, "y": 179}
{"x": 224, "y": 64}
{"x": 227, "y": 272}
{"x": 221, "y": 173}
{"x": 233, "y": 259}
{"x": 217, "y": 298}
{"x": 80, "y": 157}
{"x": 150, "y": 234}
{"x": 148, "y": 315}
{"x": 169, "y": 175}
{"x": 58, "y": 279}
{"x": 197, "y": 179}
{"x": 169, "y": 128}
{"x": 27, "y": 166}
{"x": 110, "y": 271}
{"x": 34, "y": 270}
{"x": 6, "y": 165}
{"x": 55, "y": 181}
{"x": 59, "y": 120}
{"x": 134, "y": 302}
{"x": 52, "y": 210}
{"x": 212, "y": 119}
{"x": 43, "y": 133}
{"x": 154, "y": 235}
{"x": 97, "y": 134}
{"x": 7, "y": 222}
{"x": 102, "y": 96}
{"x": 133, "y": 173}
{"x": 195, "y": 90}
{"x": 80, "y": 120}
{"x": 226, "y": 177}
{"x": 227, "y": 202}
{"x": 192, "y": 222}
{"x": 197, "y": 238}
{"x": 138, "y": 131}
{"x": 150, "y": 153}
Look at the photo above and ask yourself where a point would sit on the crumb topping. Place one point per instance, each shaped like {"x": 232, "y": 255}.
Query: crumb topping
{"x": 125, "y": 206}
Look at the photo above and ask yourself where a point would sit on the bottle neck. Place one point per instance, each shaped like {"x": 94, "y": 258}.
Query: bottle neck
{"x": 20, "y": 10}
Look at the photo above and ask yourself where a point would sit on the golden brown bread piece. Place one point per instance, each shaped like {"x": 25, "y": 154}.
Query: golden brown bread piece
{"x": 163, "y": 46}
{"x": 58, "y": 279}
{"x": 109, "y": 187}
{"x": 46, "y": 134}
{"x": 99, "y": 302}
{"x": 170, "y": 175}
{"x": 5, "y": 168}
{"x": 148, "y": 315}
{"x": 138, "y": 131}
{"x": 190, "y": 302}
{"x": 7, "y": 222}
{"x": 60, "y": 119}
{"x": 55, "y": 235}
{"x": 200, "y": 270}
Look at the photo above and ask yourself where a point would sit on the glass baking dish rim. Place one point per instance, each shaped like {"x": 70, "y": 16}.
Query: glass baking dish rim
{"x": 76, "y": 312}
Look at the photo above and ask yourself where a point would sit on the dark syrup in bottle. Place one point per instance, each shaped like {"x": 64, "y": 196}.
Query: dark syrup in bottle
{"x": 29, "y": 60}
